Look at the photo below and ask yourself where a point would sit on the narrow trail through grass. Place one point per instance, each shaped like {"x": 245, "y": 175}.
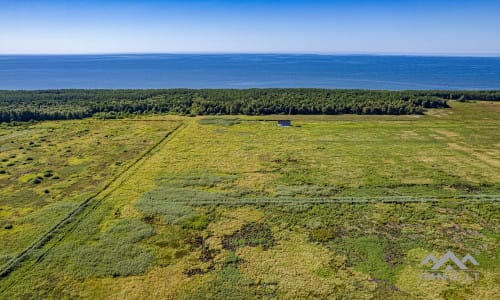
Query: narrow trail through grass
{"x": 71, "y": 221}
{"x": 330, "y": 207}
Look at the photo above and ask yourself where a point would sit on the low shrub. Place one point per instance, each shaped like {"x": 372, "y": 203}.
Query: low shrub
{"x": 48, "y": 173}
{"x": 36, "y": 180}
{"x": 250, "y": 234}
{"x": 321, "y": 234}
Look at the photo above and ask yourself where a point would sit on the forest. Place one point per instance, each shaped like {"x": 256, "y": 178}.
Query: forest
{"x": 40, "y": 105}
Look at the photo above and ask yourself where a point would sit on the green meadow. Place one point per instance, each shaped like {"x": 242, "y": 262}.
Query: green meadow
{"x": 236, "y": 207}
{"x": 48, "y": 169}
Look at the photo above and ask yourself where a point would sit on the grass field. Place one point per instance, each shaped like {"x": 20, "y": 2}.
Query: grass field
{"x": 340, "y": 207}
{"x": 47, "y": 169}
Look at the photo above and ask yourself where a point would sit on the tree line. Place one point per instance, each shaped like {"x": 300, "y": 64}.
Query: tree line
{"x": 77, "y": 104}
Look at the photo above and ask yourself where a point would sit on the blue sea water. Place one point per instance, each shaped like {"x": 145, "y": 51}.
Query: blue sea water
{"x": 248, "y": 71}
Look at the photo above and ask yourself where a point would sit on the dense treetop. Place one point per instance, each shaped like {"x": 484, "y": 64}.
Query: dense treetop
{"x": 75, "y": 104}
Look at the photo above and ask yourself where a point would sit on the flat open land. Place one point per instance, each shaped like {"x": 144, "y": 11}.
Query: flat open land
{"x": 235, "y": 207}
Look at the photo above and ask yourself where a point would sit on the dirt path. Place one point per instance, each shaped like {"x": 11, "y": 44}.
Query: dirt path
{"x": 69, "y": 223}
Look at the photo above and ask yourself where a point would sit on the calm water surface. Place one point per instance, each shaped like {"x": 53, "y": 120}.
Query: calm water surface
{"x": 247, "y": 71}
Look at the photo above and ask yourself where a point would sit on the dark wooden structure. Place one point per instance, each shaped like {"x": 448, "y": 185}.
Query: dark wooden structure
{"x": 284, "y": 123}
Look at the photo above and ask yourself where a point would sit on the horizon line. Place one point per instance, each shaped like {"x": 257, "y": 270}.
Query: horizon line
{"x": 422, "y": 54}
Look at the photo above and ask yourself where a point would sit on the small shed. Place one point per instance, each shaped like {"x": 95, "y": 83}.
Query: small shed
{"x": 284, "y": 123}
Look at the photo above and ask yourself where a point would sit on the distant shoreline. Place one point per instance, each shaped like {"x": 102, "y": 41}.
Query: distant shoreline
{"x": 437, "y": 55}
{"x": 249, "y": 89}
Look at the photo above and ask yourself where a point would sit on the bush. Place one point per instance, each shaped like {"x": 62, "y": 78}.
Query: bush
{"x": 36, "y": 180}
{"x": 250, "y": 234}
{"x": 321, "y": 235}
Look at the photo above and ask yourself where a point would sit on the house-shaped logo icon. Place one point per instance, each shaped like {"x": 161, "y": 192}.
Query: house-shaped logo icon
{"x": 448, "y": 261}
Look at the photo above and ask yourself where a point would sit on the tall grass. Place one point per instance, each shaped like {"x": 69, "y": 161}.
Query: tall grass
{"x": 114, "y": 252}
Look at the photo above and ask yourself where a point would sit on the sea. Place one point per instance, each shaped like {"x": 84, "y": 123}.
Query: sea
{"x": 242, "y": 71}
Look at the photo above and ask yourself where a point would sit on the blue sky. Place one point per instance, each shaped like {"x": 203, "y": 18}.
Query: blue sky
{"x": 457, "y": 27}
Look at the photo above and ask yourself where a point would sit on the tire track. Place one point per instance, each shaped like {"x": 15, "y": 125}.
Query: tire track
{"x": 69, "y": 223}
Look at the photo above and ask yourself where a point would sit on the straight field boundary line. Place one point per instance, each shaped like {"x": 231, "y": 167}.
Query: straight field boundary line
{"x": 87, "y": 206}
{"x": 464, "y": 199}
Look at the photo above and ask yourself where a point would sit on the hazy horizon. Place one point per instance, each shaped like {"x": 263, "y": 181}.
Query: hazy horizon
{"x": 423, "y": 54}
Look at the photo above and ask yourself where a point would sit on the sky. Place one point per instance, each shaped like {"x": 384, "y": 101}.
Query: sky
{"x": 426, "y": 27}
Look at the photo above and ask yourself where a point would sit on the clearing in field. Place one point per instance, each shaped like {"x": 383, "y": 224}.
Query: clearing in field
{"x": 237, "y": 207}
